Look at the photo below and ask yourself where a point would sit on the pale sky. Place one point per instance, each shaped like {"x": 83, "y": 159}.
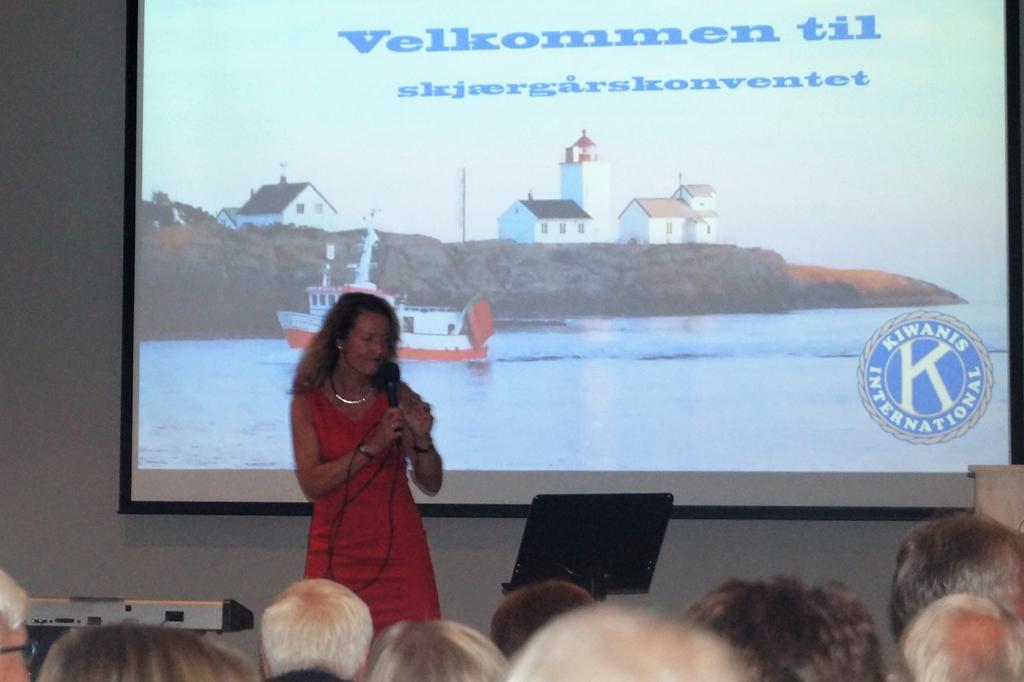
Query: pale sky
{"x": 904, "y": 174}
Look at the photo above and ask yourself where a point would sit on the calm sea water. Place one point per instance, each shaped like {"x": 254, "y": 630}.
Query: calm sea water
{"x": 717, "y": 392}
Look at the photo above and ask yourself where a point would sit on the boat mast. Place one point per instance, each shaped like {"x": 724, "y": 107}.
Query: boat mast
{"x": 325, "y": 272}
{"x": 366, "y": 258}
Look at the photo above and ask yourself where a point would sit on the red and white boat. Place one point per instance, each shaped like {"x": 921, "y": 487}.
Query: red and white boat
{"x": 428, "y": 332}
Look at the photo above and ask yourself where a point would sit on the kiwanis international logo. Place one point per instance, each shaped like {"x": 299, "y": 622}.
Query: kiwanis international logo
{"x": 925, "y": 377}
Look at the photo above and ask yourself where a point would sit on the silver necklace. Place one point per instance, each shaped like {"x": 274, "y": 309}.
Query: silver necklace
{"x": 346, "y": 400}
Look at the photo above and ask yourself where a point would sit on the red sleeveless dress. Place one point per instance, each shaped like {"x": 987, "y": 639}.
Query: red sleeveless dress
{"x": 367, "y": 533}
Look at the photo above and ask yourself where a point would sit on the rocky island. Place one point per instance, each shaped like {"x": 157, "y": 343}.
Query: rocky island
{"x": 199, "y": 279}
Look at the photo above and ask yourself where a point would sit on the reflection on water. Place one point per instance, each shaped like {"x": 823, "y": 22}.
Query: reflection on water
{"x": 727, "y": 392}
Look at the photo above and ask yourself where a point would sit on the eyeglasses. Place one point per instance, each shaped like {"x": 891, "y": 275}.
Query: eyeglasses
{"x": 27, "y": 650}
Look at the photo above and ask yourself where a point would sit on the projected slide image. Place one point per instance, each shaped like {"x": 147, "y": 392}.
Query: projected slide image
{"x": 739, "y": 239}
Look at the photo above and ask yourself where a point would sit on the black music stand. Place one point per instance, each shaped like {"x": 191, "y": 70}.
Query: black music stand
{"x": 607, "y": 543}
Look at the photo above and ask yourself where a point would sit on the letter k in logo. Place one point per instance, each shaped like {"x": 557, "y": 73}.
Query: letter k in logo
{"x": 910, "y": 370}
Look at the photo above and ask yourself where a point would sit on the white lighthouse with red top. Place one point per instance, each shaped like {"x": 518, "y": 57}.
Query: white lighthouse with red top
{"x": 586, "y": 179}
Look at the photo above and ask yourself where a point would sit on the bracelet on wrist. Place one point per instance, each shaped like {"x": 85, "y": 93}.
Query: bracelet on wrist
{"x": 417, "y": 448}
{"x": 363, "y": 450}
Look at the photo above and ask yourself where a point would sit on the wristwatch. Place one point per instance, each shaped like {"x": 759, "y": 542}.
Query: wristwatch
{"x": 365, "y": 451}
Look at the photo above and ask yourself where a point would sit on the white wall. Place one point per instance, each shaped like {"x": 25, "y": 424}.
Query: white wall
{"x": 589, "y": 184}
{"x": 327, "y": 219}
{"x": 518, "y": 224}
{"x": 634, "y": 225}
{"x": 60, "y": 272}
{"x": 702, "y": 232}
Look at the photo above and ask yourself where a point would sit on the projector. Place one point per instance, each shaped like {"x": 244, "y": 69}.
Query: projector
{"x": 226, "y": 615}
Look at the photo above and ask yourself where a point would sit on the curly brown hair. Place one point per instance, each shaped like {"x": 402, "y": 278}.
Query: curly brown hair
{"x": 321, "y": 356}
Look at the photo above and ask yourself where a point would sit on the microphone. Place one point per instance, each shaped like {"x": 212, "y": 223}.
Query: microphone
{"x": 390, "y": 375}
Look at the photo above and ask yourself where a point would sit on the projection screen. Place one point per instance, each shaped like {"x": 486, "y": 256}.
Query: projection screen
{"x": 761, "y": 255}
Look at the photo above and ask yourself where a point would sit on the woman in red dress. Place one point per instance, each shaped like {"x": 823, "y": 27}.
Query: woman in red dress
{"x": 352, "y": 455}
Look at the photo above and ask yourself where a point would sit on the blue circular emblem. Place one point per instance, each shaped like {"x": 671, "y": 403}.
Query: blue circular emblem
{"x": 925, "y": 377}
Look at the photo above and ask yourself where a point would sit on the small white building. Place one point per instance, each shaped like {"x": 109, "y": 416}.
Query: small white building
{"x": 657, "y": 221}
{"x": 288, "y": 203}
{"x": 702, "y": 199}
{"x": 545, "y": 221}
{"x": 687, "y": 217}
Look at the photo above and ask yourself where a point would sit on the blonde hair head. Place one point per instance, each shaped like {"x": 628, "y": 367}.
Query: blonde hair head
{"x": 434, "y": 651}
{"x": 142, "y": 653}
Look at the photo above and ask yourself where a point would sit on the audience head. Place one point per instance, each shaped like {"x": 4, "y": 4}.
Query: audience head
{"x": 141, "y": 653}
{"x": 962, "y": 638}
{"x": 788, "y": 633}
{"x": 13, "y": 609}
{"x": 524, "y": 611}
{"x": 612, "y": 644}
{"x": 433, "y": 651}
{"x": 315, "y": 624}
{"x": 965, "y": 553}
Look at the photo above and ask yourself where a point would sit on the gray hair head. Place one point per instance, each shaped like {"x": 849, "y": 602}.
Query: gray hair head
{"x": 613, "y": 644}
{"x": 316, "y": 624}
{"x": 962, "y": 638}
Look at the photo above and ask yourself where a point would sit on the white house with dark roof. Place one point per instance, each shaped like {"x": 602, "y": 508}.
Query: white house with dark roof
{"x": 287, "y": 203}
{"x": 582, "y": 215}
{"x": 545, "y": 221}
